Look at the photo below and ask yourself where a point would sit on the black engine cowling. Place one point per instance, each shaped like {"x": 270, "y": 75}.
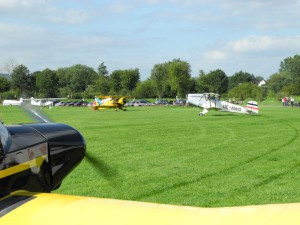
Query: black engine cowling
{"x": 37, "y": 157}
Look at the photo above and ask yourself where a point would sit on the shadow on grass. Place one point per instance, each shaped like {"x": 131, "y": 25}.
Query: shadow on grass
{"x": 235, "y": 114}
{"x": 228, "y": 170}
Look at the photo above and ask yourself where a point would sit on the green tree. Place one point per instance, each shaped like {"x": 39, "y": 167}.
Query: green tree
{"x": 240, "y": 77}
{"x": 278, "y": 81}
{"x": 4, "y": 84}
{"x": 145, "y": 89}
{"x": 90, "y": 92}
{"x": 21, "y": 79}
{"x": 64, "y": 78}
{"x": 47, "y": 83}
{"x": 246, "y": 90}
{"x": 159, "y": 77}
{"x": 115, "y": 81}
{"x": 80, "y": 77}
{"x": 202, "y": 85}
{"x": 292, "y": 89}
{"x": 129, "y": 80}
{"x": 11, "y": 94}
{"x": 193, "y": 85}
{"x": 179, "y": 77}
{"x": 216, "y": 81}
{"x": 291, "y": 67}
{"x": 64, "y": 82}
{"x": 102, "y": 70}
{"x": 102, "y": 85}
{"x": 75, "y": 79}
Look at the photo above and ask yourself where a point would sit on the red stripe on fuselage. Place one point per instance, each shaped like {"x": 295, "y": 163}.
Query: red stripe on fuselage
{"x": 252, "y": 107}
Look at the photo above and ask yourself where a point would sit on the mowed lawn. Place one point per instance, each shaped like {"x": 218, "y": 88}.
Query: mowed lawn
{"x": 171, "y": 155}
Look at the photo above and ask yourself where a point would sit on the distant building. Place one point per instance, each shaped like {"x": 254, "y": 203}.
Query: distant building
{"x": 262, "y": 83}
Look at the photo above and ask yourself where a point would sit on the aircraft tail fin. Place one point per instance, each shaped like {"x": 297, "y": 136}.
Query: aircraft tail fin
{"x": 252, "y": 107}
{"x": 98, "y": 101}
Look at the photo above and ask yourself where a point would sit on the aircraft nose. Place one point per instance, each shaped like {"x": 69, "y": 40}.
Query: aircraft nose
{"x": 66, "y": 148}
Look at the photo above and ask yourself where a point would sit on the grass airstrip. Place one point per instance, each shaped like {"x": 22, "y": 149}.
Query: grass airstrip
{"x": 171, "y": 155}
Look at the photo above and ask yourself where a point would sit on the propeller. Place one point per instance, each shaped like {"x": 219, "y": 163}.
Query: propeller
{"x": 101, "y": 167}
{"x": 36, "y": 114}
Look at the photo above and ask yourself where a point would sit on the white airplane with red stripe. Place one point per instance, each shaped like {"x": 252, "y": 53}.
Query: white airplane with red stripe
{"x": 211, "y": 101}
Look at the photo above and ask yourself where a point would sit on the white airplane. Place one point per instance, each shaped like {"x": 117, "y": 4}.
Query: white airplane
{"x": 13, "y": 102}
{"x": 211, "y": 101}
{"x": 41, "y": 102}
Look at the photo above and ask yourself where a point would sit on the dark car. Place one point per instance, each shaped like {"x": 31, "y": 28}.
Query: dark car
{"x": 161, "y": 102}
{"x": 80, "y": 103}
{"x": 179, "y": 102}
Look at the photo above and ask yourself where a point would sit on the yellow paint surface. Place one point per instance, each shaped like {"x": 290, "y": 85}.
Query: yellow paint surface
{"x": 54, "y": 209}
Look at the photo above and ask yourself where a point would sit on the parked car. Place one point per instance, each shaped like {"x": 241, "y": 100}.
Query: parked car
{"x": 59, "y": 104}
{"x": 80, "y": 103}
{"x": 161, "y": 102}
{"x": 141, "y": 102}
{"x": 179, "y": 102}
{"x": 130, "y": 103}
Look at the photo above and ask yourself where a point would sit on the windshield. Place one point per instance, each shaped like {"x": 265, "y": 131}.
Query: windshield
{"x": 5, "y": 138}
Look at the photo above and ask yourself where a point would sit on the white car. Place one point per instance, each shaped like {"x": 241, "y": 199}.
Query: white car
{"x": 141, "y": 102}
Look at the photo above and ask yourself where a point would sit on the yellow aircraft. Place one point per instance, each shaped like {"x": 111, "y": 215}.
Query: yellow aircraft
{"x": 34, "y": 160}
{"x": 107, "y": 102}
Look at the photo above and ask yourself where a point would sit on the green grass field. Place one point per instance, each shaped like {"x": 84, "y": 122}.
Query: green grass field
{"x": 171, "y": 155}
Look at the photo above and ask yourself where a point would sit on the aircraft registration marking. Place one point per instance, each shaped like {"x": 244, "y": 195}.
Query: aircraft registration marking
{"x": 234, "y": 108}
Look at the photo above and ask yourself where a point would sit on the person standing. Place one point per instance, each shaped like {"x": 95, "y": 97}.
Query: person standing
{"x": 285, "y": 101}
{"x": 292, "y": 101}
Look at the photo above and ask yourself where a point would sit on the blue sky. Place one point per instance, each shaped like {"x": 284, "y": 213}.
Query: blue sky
{"x": 232, "y": 35}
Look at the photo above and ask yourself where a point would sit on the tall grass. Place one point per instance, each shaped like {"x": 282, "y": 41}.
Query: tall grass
{"x": 171, "y": 155}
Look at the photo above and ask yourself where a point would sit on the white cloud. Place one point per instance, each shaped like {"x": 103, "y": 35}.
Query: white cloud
{"x": 22, "y": 7}
{"x": 17, "y": 4}
{"x": 229, "y": 34}
{"x": 260, "y": 55}
{"x": 248, "y": 46}
{"x": 215, "y": 55}
{"x": 69, "y": 17}
{"x": 18, "y": 35}
{"x": 119, "y": 7}
{"x": 264, "y": 43}
{"x": 44, "y": 11}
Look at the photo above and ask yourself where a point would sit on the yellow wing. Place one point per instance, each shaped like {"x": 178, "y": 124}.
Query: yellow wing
{"x": 36, "y": 209}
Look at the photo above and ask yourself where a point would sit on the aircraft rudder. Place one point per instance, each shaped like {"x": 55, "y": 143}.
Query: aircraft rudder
{"x": 98, "y": 101}
{"x": 252, "y": 106}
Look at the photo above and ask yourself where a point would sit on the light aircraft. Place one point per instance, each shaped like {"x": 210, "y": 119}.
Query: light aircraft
{"x": 211, "y": 101}
{"x": 7, "y": 102}
{"x": 108, "y": 102}
{"x": 41, "y": 102}
{"x": 35, "y": 159}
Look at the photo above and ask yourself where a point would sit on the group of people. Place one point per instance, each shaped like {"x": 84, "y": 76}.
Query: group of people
{"x": 286, "y": 101}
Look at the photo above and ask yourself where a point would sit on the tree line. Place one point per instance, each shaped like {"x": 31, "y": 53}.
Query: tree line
{"x": 167, "y": 80}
